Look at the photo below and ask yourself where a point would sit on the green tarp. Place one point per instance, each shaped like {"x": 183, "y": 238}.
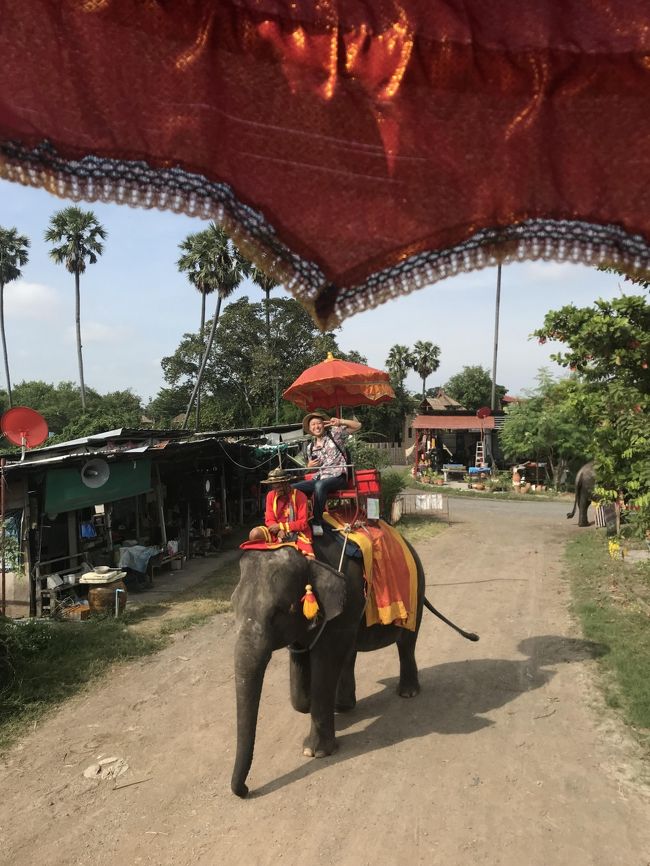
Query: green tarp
{"x": 65, "y": 491}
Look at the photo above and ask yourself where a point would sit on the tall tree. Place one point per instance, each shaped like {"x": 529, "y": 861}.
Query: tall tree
{"x": 199, "y": 260}
{"x": 242, "y": 384}
{"x": 224, "y": 267}
{"x": 398, "y": 364}
{"x": 266, "y": 284}
{"x": 473, "y": 388}
{"x": 78, "y": 236}
{"x": 13, "y": 257}
{"x": 425, "y": 360}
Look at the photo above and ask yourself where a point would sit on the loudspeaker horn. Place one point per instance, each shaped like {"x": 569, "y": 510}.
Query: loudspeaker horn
{"x": 95, "y": 473}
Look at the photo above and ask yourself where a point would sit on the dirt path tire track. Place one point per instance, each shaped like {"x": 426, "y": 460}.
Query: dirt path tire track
{"x": 507, "y": 757}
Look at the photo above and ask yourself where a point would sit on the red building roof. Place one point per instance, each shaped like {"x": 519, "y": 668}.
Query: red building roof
{"x": 452, "y": 422}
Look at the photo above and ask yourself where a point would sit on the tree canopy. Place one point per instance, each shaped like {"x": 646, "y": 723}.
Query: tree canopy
{"x": 546, "y": 427}
{"x": 608, "y": 347}
{"x": 472, "y": 387}
{"x": 243, "y": 381}
{"x": 60, "y": 405}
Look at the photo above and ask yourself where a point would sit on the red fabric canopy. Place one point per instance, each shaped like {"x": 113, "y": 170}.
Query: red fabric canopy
{"x": 339, "y": 383}
{"x": 353, "y": 149}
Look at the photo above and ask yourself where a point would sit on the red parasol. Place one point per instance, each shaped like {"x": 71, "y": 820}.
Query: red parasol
{"x": 354, "y": 149}
{"x": 339, "y": 383}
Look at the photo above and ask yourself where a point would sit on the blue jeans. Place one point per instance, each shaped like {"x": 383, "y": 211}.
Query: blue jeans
{"x": 321, "y": 488}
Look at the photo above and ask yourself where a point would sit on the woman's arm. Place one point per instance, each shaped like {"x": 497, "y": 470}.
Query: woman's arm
{"x": 351, "y": 425}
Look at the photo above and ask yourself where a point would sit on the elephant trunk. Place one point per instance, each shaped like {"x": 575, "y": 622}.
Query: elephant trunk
{"x": 251, "y": 660}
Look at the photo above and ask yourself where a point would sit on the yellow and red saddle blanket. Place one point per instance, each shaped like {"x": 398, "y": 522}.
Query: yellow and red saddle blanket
{"x": 390, "y": 572}
{"x": 301, "y": 543}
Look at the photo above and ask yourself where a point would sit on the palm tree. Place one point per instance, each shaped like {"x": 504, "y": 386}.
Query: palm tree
{"x": 223, "y": 267}
{"x": 425, "y": 360}
{"x": 200, "y": 252}
{"x": 78, "y": 236}
{"x": 398, "y": 363}
{"x": 13, "y": 257}
{"x": 266, "y": 284}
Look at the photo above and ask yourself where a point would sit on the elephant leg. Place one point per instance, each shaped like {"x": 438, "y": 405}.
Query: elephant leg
{"x": 326, "y": 663}
{"x": 583, "y": 519}
{"x": 409, "y": 683}
{"x": 346, "y": 690}
{"x": 300, "y": 681}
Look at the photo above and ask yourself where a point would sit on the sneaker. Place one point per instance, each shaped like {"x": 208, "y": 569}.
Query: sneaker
{"x": 316, "y": 529}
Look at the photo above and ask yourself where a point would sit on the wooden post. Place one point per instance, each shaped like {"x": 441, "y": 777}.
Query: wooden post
{"x": 161, "y": 508}
{"x": 224, "y": 507}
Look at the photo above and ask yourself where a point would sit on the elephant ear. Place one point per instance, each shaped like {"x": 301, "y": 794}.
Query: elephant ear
{"x": 330, "y": 588}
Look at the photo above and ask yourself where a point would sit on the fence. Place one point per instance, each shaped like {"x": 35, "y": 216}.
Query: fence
{"x": 395, "y": 453}
{"x": 436, "y": 504}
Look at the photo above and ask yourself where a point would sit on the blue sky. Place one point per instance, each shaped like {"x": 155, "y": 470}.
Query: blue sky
{"x": 135, "y": 306}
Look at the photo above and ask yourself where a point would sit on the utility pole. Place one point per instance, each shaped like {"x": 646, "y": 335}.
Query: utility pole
{"x": 493, "y": 396}
{"x": 493, "y": 400}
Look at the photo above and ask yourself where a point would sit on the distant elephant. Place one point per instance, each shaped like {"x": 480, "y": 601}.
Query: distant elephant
{"x": 585, "y": 484}
{"x": 268, "y": 616}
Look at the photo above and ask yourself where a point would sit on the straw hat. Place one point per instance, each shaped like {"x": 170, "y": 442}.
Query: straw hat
{"x": 277, "y": 476}
{"x": 317, "y": 414}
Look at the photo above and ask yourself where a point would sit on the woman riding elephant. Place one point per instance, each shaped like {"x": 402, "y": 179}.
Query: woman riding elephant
{"x": 326, "y": 459}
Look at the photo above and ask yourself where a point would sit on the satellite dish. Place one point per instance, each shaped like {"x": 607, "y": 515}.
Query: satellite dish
{"x": 484, "y": 412}
{"x": 95, "y": 473}
{"x": 24, "y": 426}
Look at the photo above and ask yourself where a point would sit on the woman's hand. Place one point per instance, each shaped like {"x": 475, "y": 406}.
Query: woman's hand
{"x": 312, "y": 464}
{"x": 274, "y": 528}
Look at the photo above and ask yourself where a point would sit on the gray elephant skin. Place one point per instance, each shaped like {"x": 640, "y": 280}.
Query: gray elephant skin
{"x": 585, "y": 484}
{"x": 268, "y": 616}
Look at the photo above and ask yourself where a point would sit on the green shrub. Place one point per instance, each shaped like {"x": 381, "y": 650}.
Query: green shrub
{"x": 392, "y": 484}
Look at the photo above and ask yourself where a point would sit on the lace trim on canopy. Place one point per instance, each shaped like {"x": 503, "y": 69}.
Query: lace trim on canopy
{"x": 137, "y": 184}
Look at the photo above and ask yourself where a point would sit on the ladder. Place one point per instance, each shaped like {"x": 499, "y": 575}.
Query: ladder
{"x": 480, "y": 456}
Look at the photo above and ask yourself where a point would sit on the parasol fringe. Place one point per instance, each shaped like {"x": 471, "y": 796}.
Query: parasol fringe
{"x": 139, "y": 185}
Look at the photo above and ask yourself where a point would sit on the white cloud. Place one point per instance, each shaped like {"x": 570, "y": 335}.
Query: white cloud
{"x": 97, "y": 333}
{"x": 551, "y": 272}
{"x": 25, "y": 300}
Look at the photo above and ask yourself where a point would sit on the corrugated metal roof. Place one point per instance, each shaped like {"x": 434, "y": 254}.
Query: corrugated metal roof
{"x": 452, "y": 422}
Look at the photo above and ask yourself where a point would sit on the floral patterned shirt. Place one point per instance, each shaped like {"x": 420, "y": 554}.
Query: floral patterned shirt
{"x": 332, "y": 461}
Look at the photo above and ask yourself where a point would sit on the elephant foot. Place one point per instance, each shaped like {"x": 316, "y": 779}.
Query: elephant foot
{"x": 320, "y": 751}
{"x": 411, "y": 690}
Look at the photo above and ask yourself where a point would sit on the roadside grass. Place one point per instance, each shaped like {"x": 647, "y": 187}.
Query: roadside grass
{"x": 612, "y": 601}
{"x": 43, "y": 662}
{"x": 193, "y": 606}
{"x": 420, "y": 527}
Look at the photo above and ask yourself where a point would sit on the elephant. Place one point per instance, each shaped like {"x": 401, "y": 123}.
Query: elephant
{"x": 268, "y": 617}
{"x": 585, "y": 484}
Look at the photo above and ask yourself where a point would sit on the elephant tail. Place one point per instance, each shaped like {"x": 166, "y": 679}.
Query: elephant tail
{"x": 575, "y": 505}
{"x": 469, "y": 635}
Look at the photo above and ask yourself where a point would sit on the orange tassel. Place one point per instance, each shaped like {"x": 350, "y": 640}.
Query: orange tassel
{"x": 309, "y": 603}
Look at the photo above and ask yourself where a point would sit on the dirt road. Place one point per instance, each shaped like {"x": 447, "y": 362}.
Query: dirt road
{"x": 507, "y": 757}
